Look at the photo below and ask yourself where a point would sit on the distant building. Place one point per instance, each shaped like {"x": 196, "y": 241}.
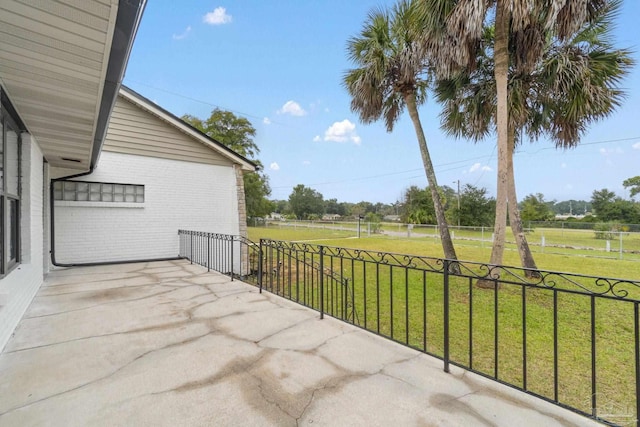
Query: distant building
{"x": 567, "y": 216}
{"x": 331, "y": 217}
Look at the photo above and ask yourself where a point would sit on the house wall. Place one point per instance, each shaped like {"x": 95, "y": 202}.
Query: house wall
{"x": 18, "y": 287}
{"x": 178, "y": 195}
{"x": 133, "y": 130}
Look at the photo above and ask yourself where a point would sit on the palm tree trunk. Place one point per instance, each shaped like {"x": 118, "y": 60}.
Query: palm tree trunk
{"x": 526, "y": 257}
{"x": 445, "y": 237}
{"x": 501, "y": 60}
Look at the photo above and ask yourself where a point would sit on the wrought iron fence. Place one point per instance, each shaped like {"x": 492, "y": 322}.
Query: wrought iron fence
{"x": 234, "y": 256}
{"x": 569, "y": 339}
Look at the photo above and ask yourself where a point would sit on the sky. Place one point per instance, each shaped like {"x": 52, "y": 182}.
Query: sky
{"x": 280, "y": 65}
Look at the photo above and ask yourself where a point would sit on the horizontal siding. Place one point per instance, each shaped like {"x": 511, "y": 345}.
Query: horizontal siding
{"x": 133, "y": 130}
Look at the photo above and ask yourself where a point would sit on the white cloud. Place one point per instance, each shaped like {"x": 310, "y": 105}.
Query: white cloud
{"x": 478, "y": 167}
{"x": 636, "y": 146}
{"x": 266, "y": 121}
{"x": 608, "y": 151}
{"x": 274, "y": 166}
{"x": 306, "y": 162}
{"x": 343, "y": 131}
{"x": 184, "y": 34}
{"x": 317, "y": 138}
{"x": 293, "y": 108}
{"x": 219, "y": 16}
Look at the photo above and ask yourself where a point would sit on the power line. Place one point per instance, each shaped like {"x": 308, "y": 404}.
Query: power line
{"x": 490, "y": 157}
{"x": 179, "y": 95}
{"x": 364, "y": 178}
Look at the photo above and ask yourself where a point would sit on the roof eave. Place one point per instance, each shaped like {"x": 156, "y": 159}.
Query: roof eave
{"x": 127, "y": 23}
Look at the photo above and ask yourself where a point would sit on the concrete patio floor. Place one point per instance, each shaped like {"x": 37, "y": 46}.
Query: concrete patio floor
{"x": 168, "y": 344}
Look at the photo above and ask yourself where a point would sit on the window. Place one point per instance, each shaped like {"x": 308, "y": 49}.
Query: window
{"x": 9, "y": 190}
{"x": 84, "y": 191}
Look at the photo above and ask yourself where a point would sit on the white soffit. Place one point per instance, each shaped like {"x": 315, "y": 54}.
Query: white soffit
{"x": 53, "y": 61}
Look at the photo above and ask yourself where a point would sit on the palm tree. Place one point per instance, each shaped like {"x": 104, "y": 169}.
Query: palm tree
{"x": 392, "y": 74}
{"x": 469, "y": 111}
{"x": 585, "y": 67}
{"x": 452, "y": 31}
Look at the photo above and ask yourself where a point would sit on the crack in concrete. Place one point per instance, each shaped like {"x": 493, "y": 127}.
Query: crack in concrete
{"x": 104, "y": 377}
{"x": 100, "y": 304}
{"x": 87, "y": 291}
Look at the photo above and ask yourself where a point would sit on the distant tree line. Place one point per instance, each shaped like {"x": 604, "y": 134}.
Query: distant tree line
{"x": 472, "y": 207}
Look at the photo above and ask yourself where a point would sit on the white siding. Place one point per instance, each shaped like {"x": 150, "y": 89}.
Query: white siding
{"x": 18, "y": 288}
{"x": 178, "y": 195}
{"x": 133, "y": 130}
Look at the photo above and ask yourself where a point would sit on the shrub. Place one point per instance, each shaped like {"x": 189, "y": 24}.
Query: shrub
{"x": 606, "y": 230}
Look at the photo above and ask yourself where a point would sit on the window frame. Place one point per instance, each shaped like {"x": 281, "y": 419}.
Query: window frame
{"x": 98, "y": 192}
{"x": 10, "y": 232}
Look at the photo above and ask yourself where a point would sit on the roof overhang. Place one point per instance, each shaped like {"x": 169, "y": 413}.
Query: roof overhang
{"x": 150, "y": 106}
{"x": 61, "y": 65}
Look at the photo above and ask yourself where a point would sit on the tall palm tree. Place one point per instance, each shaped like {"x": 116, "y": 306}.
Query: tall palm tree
{"x": 469, "y": 111}
{"x": 452, "y": 32}
{"x": 574, "y": 83}
{"x": 392, "y": 74}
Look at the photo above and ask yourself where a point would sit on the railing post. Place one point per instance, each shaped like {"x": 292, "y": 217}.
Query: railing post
{"x": 636, "y": 319}
{"x": 191, "y": 248}
{"x": 446, "y": 316}
{"x": 231, "y": 242}
{"x": 321, "y": 281}
{"x": 208, "y": 252}
{"x": 260, "y": 265}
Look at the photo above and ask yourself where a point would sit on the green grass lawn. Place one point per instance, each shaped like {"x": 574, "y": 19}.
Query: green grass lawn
{"x": 407, "y": 306}
{"x": 571, "y": 262}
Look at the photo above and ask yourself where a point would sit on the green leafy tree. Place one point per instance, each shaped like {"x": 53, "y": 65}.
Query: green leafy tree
{"x": 609, "y": 207}
{"x": 256, "y": 192}
{"x": 417, "y": 206}
{"x": 390, "y": 76}
{"x": 362, "y": 208}
{"x": 306, "y": 202}
{"x": 633, "y": 184}
{"x": 230, "y": 130}
{"x": 476, "y": 208}
{"x": 534, "y": 208}
{"x": 331, "y": 206}
{"x": 602, "y": 200}
{"x": 237, "y": 133}
{"x": 281, "y": 206}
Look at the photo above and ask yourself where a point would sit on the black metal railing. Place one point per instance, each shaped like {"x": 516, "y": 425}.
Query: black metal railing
{"x": 572, "y": 340}
{"x": 234, "y": 256}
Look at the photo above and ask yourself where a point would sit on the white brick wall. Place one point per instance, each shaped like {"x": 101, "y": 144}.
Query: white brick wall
{"x": 18, "y": 288}
{"x": 178, "y": 195}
